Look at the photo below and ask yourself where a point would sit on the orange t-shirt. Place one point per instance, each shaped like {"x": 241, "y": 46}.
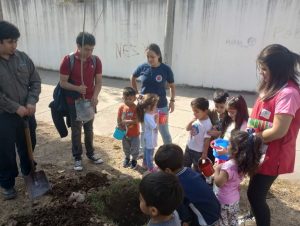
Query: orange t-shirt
{"x": 129, "y": 113}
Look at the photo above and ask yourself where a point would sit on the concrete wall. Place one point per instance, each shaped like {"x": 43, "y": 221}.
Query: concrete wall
{"x": 123, "y": 29}
{"x": 215, "y": 42}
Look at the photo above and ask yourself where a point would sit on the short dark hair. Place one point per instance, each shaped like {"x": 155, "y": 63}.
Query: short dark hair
{"x": 200, "y": 103}
{"x": 169, "y": 156}
{"x": 220, "y": 96}
{"x": 129, "y": 91}
{"x": 162, "y": 191}
{"x": 8, "y": 31}
{"x": 89, "y": 39}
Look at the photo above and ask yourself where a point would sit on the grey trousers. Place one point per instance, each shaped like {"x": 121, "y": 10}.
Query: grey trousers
{"x": 131, "y": 146}
{"x": 76, "y": 127}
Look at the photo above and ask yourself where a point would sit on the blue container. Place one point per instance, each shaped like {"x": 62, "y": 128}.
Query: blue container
{"x": 221, "y": 143}
{"x": 119, "y": 133}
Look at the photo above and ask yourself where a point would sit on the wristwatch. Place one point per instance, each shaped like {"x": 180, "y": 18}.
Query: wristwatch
{"x": 172, "y": 100}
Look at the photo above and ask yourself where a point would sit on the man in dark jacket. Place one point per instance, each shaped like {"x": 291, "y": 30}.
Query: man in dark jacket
{"x": 20, "y": 86}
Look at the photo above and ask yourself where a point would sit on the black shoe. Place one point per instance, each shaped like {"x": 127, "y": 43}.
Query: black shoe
{"x": 133, "y": 164}
{"x": 126, "y": 162}
{"x": 10, "y": 193}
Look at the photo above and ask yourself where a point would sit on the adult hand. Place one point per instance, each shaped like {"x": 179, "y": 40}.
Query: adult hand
{"x": 81, "y": 89}
{"x": 31, "y": 109}
{"x": 22, "y": 111}
{"x": 185, "y": 224}
{"x": 171, "y": 106}
{"x": 94, "y": 101}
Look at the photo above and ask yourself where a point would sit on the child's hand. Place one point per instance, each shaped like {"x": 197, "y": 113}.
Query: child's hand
{"x": 217, "y": 167}
{"x": 214, "y": 133}
{"x": 185, "y": 224}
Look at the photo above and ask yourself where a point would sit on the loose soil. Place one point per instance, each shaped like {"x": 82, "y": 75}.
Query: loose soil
{"x": 54, "y": 157}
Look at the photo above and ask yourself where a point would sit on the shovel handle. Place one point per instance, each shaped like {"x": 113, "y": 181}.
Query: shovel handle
{"x": 28, "y": 142}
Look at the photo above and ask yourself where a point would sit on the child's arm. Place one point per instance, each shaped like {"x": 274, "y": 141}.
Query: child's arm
{"x": 184, "y": 214}
{"x": 205, "y": 148}
{"x": 214, "y": 132}
{"x": 129, "y": 122}
{"x": 220, "y": 176}
{"x": 189, "y": 126}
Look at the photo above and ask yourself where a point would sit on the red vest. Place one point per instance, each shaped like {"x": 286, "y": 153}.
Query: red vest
{"x": 280, "y": 155}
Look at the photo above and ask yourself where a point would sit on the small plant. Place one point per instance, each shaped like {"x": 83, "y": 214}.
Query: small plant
{"x": 120, "y": 203}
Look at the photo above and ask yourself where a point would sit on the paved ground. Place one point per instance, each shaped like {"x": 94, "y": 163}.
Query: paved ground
{"x": 110, "y": 98}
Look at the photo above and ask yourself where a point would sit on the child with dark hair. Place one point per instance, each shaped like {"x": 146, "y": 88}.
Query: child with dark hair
{"x": 217, "y": 116}
{"x": 127, "y": 120}
{"x": 198, "y": 140}
{"x": 245, "y": 151}
{"x": 219, "y": 112}
{"x": 160, "y": 196}
{"x": 237, "y": 116}
{"x": 200, "y": 205}
{"x": 147, "y": 115}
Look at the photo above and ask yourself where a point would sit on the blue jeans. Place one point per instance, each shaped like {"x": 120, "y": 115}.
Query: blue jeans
{"x": 164, "y": 129}
{"x": 148, "y": 158}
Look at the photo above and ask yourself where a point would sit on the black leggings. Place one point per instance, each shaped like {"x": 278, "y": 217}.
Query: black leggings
{"x": 259, "y": 186}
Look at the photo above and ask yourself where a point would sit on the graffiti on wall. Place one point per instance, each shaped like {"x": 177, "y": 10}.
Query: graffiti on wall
{"x": 247, "y": 43}
{"x": 128, "y": 50}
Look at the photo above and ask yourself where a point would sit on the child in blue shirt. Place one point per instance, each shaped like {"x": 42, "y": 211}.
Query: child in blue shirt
{"x": 200, "y": 205}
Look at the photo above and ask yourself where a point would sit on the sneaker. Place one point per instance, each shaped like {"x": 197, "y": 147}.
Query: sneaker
{"x": 126, "y": 162}
{"x": 10, "y": 193}
{"x": 95, "y": 159}
{"x": 246, "y": 219}
{"x": 133, "y": 164}
{"x": 78, "y": 165}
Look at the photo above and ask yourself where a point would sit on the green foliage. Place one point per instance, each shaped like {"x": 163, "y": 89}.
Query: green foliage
{"x": 119, "y": 202}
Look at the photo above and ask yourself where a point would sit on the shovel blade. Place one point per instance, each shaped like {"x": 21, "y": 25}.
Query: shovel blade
{"x": 37, "y": 184}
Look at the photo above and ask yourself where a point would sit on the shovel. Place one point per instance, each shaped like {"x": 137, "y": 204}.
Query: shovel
{"x": 36, "y": 182}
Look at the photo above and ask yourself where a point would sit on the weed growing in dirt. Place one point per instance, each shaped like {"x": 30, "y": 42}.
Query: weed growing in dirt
{"x": 120, "y": 203}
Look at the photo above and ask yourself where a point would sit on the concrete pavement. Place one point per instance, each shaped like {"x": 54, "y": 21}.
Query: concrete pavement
{"x": 111, "y": 97}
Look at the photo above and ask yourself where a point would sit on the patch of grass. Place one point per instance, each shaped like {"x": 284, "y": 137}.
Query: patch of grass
{"x": 119, "y": 202}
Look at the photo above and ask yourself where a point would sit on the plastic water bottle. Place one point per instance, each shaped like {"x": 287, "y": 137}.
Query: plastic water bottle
{"x": 259, "y": 124}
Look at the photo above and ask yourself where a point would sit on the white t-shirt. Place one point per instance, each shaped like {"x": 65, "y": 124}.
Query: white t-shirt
{"x": 150, "y": 131}
{"x": 198, "y": 134}
{"x": 231, "y": 127}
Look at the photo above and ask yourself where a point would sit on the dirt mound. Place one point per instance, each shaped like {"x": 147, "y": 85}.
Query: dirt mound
{"x": 120, "y": 203}
{"x": 65, "y": 214}
{"x": 64, "y": 187}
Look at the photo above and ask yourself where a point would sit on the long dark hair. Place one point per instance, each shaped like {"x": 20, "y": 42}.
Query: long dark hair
{"x": 242, "y": 114}
{"x": 148, "y": 100}
{"x": 282, "y": 64}
{"x": 246, "y": 151}
{"x": 155, "y": 48}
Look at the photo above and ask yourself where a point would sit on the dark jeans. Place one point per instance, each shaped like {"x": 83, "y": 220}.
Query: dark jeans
{"x": 191, "y": 157}
{"x": 12, "y": 138}
{"x": 259, "y": 186}
{"x": 76, "y": 127}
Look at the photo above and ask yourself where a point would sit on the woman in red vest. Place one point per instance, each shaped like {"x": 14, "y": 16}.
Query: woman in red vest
{"x": 278, "y": 103}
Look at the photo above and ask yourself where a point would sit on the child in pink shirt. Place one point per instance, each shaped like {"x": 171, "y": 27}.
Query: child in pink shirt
{"x": 245, "y": 151}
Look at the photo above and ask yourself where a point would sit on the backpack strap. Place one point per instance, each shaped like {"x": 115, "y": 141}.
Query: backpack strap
{"x": 71, "y": 61}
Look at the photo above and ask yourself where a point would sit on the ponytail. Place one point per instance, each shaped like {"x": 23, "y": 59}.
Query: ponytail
{"x": 246, "y": 148}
